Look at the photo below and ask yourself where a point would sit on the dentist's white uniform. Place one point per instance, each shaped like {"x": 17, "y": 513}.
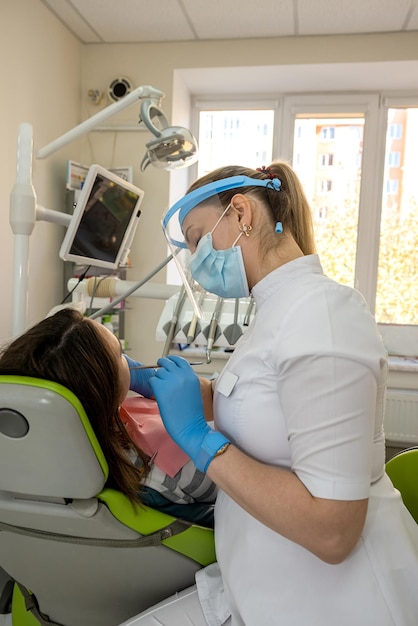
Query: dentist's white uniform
{"x": 305, "y": 389}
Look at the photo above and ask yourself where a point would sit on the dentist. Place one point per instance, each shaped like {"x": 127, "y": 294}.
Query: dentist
{"x": 308, "y": 527}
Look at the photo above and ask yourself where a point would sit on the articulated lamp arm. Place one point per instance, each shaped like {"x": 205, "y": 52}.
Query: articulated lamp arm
{"x": 23, "y": 204}
{"x": 138, "y": 94}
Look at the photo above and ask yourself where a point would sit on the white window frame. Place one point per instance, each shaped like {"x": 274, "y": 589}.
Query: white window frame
{"x": 370, "y": 194}
{"x": 374, "y": 107}
{"x": 399, "y": 339}
{"x": 238, "y": 103}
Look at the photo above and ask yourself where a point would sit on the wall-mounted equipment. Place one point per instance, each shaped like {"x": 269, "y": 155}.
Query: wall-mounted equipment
{"x": 172, "y": 148}
{"x": 119, "y": 88}
{"x": 104, "y": 221}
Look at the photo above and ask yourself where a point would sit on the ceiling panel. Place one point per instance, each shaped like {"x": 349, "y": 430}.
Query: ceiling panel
{"x": 323, "y": 17}
{"x": 73, "y": 20}
{"x": 136, "y": 21}
{"x": 238, "y": 19}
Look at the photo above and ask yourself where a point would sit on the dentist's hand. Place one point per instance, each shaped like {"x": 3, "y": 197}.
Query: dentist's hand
{"x": 139, "y": 379}
{"x": 177, "y": 391}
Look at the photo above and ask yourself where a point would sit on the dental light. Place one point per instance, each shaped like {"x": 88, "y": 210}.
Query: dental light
{"x": 173, "y": 147}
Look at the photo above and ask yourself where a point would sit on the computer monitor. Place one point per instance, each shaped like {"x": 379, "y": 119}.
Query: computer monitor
{"x": 104, "y": 221}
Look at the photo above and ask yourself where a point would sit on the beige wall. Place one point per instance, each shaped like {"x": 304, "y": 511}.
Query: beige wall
{"x": 46, "y": 77}
{"x": 168, "y": 67}
{"x": 40, "y": 66}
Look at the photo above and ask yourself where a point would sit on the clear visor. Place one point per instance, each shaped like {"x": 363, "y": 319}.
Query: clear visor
{"x": 178, "y": 219}
{"x": 181, "y": 258}
{"x": 173, "y": 231}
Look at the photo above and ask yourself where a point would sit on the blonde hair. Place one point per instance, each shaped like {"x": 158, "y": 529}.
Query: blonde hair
{"x": 288, "y": 206}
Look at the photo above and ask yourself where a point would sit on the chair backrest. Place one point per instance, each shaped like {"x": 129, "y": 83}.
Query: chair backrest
{"x": 87, "y": 554}
{"x": 44, "y": 426}
{"x": 402, "y": 469}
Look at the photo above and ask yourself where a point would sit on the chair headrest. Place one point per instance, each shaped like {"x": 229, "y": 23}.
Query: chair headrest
{"x": 47, "y": 445}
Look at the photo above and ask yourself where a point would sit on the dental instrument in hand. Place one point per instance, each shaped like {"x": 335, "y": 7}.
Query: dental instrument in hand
{"x": 179, "y": 398}
{"x": 156, "y": 366}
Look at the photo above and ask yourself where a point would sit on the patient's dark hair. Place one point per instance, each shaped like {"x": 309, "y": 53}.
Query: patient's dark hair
{"x": 68, "y": 349}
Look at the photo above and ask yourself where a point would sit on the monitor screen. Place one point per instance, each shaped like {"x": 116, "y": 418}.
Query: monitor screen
{"x": 104, "y": 221}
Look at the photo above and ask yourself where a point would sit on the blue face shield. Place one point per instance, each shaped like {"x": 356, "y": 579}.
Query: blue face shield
{"x": 172, "y": 221}
{"x": 221, "y": 272}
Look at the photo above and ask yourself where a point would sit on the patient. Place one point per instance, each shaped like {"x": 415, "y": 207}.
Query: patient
{"x": 86, "y": 358}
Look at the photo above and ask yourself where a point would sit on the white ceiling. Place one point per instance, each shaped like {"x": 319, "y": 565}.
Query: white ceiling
{"x": 136, "y": 21}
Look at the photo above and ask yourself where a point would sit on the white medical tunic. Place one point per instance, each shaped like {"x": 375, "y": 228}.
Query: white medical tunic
{"x": 305, "y": 390}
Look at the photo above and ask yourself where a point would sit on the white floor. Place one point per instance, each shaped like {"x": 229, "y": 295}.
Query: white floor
{"x": 5, "y": 620}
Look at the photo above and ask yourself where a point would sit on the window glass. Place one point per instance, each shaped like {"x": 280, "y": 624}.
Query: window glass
{"x": 234, "y": 137}
{"x": 329, "y": 166}
{"x": 397, "y": 289}
{"x": 363, "y": 191}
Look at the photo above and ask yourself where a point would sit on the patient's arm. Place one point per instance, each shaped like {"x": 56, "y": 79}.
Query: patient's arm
{"x": 207, "y": 396}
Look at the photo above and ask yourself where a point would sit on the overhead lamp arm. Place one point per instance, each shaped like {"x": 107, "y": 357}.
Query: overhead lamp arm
{"x": 175, "y": 152}
{"x": 140, "y": 93}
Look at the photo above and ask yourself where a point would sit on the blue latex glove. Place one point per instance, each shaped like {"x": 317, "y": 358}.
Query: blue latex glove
{"x": 140, "y": 378}
{"x": 177, "y": 391}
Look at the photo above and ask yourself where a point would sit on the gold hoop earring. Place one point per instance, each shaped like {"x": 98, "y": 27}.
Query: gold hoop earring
{"x": 246, "y": 229}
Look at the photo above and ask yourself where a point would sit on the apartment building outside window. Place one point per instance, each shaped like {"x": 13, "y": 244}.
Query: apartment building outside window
{"x": 365, "y": 209}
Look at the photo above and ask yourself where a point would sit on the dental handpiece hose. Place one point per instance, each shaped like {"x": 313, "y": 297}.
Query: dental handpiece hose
{"x": 174, "y": 320}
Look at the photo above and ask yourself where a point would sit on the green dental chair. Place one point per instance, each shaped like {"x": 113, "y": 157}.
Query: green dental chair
{"x": 78, "y": 553}
{"x": 402, "y": 469}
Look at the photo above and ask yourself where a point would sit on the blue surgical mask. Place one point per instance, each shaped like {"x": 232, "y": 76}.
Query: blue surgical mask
{"x": 221, "y": 272}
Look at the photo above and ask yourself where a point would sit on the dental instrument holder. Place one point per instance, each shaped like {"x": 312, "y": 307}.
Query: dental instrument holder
{"x": 192, "y": 328}
{"x": 172, "y": 327}
{"x": 225, "y": 317}
{"x": 24, "y": 210}
{"x": 213, "y": 331}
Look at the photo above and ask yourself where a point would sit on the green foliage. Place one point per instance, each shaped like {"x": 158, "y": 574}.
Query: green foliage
{"x": 397, "y": 288}
{"x": 336, "y": 240}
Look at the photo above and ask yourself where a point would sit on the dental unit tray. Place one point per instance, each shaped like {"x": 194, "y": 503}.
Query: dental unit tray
{"x": 229, "y": 314}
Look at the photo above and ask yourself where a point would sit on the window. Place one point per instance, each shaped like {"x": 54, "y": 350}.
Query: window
{"x": 236, "y": 136}
{"x": 326, "y": 160}
{"x": 335, "y": 199}
{"x": 325, "y": 186}
{"x": 321, "y": 213}
{"x": 394, "y": 159}
{"x": 395, "y": 131}
{"x": 365, "y": 208}
{"x": 397, "y": 292}
{"x": 364, "y": 238}
{"x": 327, "y": 133}
{"x": 392, "y": 186}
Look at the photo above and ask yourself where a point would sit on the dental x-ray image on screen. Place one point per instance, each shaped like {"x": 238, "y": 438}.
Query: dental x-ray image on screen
{"x": 104, "y": 221}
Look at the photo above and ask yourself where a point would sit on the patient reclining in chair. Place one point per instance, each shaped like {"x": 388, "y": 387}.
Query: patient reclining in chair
{"x": 144, "y": 463}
